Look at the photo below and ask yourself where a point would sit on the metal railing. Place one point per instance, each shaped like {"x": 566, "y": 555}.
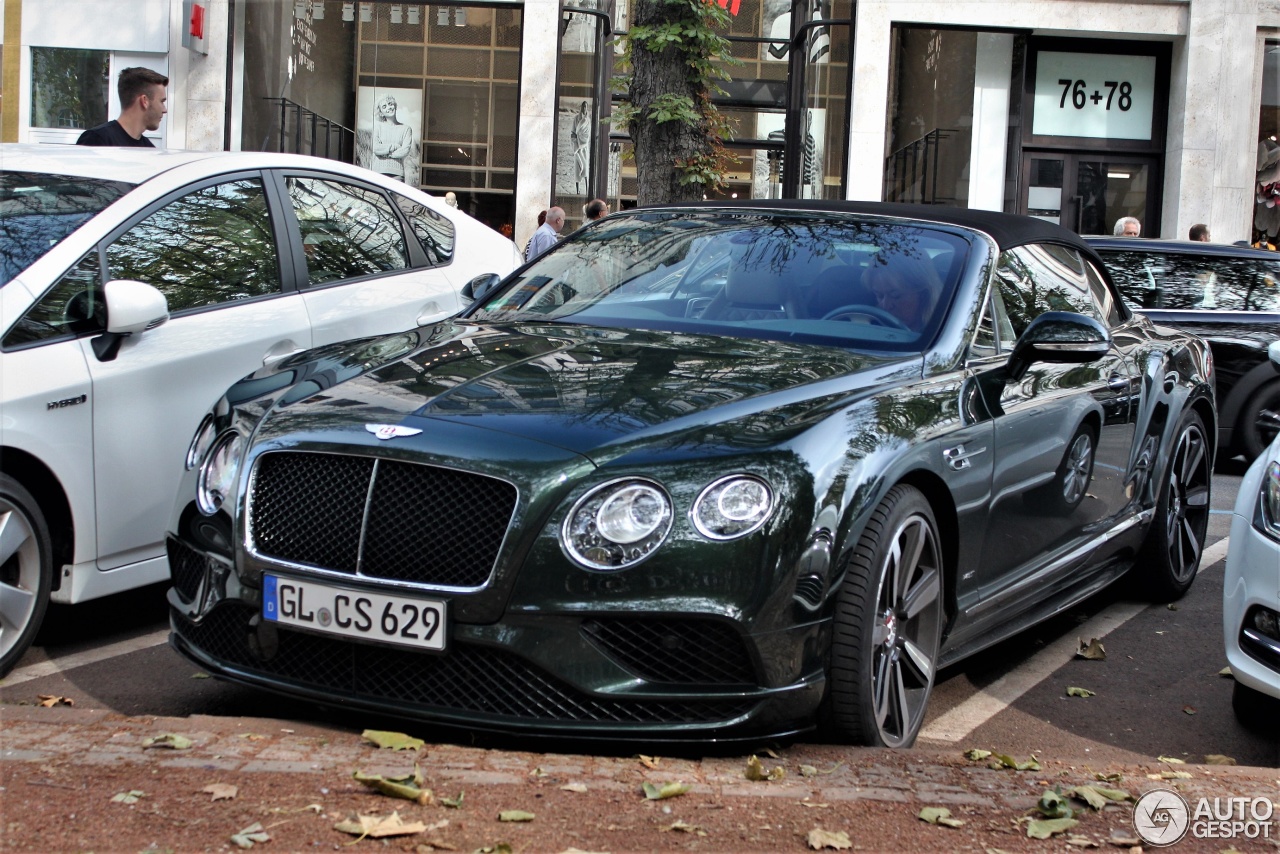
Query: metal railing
{"x": 303, "y": 131}
{"x": 911, "y": 172}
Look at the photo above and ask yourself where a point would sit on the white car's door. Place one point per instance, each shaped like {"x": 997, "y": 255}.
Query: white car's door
{"x": 214, "y": 253}
{"x": 362, "y": 277}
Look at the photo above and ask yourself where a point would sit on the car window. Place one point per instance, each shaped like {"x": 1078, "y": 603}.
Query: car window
{"x": 37, "y": 211}
{"x": 71, "y": 307}
{"x": 1103, "y": 299}
{"x": 1043, "y": 277}
{"x": 347, "y": 231}
{"x": 1178, "y": 281}
{"x": 434, "y": 232}
{"x": 211, "y": 246}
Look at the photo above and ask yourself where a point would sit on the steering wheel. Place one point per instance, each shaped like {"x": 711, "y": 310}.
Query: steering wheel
{"x": 878, "y": 315}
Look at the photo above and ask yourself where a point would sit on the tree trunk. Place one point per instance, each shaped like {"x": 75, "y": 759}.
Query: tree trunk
{"x": 661, "y": 148}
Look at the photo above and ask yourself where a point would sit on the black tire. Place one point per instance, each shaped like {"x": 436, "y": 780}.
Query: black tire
{"x": 888, "y": 626}
{"x": 26, "y": 571}
{"x": 1259, "y": 421}
{"x": 1170, "y": 556}
{"x": 1254, "y": 710}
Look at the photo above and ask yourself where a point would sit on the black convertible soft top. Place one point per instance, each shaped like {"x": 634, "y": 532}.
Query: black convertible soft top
{"x": 1007, "y": 230}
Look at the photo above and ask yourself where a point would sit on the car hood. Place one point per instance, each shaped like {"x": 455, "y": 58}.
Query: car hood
{"x": 597, "y": 391}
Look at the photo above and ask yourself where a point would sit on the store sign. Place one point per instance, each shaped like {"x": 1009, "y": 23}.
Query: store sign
{"x": 1094, "y": 95}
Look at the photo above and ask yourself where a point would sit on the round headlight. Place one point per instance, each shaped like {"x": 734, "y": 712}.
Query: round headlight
{"x": 1271, "y": 497}
{"x": 200, "y": 443}
{"x": 617, "y": 525}
{"x": 218, "y": 473}
{"x": 732, "y": 507}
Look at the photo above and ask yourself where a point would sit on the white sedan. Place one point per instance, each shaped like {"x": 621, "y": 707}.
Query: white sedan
{"x": 1251, "y": 590}
{"x": 246, "y": 259}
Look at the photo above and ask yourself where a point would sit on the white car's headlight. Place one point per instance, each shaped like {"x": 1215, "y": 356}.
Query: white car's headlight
{"x": 732, "y": 507}
{"x": 617, "y": 525}
{"x": 218, "y": 473}
{"x": 1270, "y": 499}
{"x": 200, "y": 443}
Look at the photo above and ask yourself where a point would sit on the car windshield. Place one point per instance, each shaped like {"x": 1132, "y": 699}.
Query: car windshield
{"x": 38, "y": 210}
{"x": 799, "y": 276}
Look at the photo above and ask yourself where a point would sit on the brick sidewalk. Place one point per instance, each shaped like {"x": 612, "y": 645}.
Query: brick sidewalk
{"x": 282, "y": 768}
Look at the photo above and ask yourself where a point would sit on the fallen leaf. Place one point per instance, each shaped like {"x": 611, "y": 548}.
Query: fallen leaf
{"x": 392, "y": 740}
{"x": 1113, "y": 777}
{"x": 1079, "y": 692}
{"x": 199, "y": 675}
{"x": 1091, "y": 796}
{"x": 649, "y": 761}
{"x": 251, "y": 834}
{"x": 684, "y": 827}
{"x": 221, "y": 791}
{"x": 538, "y": 772}
{"x": 515, "y": 815}
{"x": 819, "y": 838}
{"x": 170, "y": 740}
{"x": 453, "y": 803}
{"x": 51, "y": 700}
{"x": 815, "y": 805}
{"x": 666, "y": 790}
{"x": 1191, "y": 710}
{"x": 1218, "y": 759}
{"x": 976, "y": 754}
{"x": 574, "y": 787}
{"x": 408, "y": 786}
{"x": 808, "y": 771}
{"x": 1170, "y": 775}
{"x": 252, "y": 736}
{"x": 129, "y": 797}
{"x": 1171, "y": 760}
{"x": 1053, "y": 805}
{"x": 1003, "y": 760}
{"x": 1172, "y": 607}
{"x": 378, "y": 826}
{"x": 1226, "y": 671}
{"x": 1046, "y": 827}
{"x": 939, "y": 815}
{"x": 756, "y": 771}
{"x": 1093, "y": 650}
{"x": 1081, "y": 841}
{"x": 1123, "y": 839}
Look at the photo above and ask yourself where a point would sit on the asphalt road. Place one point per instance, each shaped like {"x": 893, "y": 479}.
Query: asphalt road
{"x": 1157, "y": 693}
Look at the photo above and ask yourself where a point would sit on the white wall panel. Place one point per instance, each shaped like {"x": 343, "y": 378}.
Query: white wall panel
{"x": 141, "y": 26}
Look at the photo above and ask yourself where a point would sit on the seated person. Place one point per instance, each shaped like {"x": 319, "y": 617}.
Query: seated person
{"x": 908, "y": 289}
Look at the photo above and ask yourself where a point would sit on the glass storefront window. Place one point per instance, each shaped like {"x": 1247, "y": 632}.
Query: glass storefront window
{"x": 1266, "y": 211}
{"x": 69, "y": 87}
{"x": 952, "y": 95}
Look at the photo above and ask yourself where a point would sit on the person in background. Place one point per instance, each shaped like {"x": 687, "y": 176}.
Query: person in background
{"x": 1127, "y": 226}
{"x": 546, "y": 235}
{"x": 595, "y": 209}
{"x": 143, "y": 103}
{"x": 1199, "y": 232}
{"x": 542, "y": 217}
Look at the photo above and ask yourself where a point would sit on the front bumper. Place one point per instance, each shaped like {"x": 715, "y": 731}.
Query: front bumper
{"x": 1251, "y": 579}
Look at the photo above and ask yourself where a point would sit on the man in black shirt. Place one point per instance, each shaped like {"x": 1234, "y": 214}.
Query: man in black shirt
{"x": 142, "y": 105}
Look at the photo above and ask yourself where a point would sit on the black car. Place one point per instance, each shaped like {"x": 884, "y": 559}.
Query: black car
{"x": 1228, "y": 295}
{"x": 700, "y": 472}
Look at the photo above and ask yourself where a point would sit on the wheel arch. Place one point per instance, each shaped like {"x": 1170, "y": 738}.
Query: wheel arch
{"x": 1203, "y": 406}
{"x": 1231, "y": 409}
{"x": 44, "y": 486}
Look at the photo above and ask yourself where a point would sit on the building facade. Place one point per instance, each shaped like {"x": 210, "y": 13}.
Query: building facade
{"x": 1079, "y": 111}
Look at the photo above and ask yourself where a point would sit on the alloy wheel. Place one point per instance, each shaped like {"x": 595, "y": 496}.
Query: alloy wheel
{"x": 1187, "y": 510}
{"x": 19, "y": 574}
{"x": 1079, "y": 467}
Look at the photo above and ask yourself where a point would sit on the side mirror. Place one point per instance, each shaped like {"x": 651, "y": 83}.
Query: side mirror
{"x": 1060, "y": 337}
{"x": 131, "y": 307}
{"x": 1273, "y": 353}
{"x": 480, "y": 286}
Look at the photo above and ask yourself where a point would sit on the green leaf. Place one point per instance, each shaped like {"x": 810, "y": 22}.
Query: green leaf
{"x": 515, "y": 815}
{"x": 1226, "y": 671}
{"x": 1044, "y": 828}
{"x": 939, "y": 815}
{"x": 667, "y": 790}
{"x": 756, "y": 771}
{"x": 251, "y": 834}
{"x": 1113, "y": 794}
{"x": 1079, "y": 692}
{"x": 170, "y": 740}
{"x": 1053, "y": 805}
{"x": 976, "y": 754}
{"x": 1171, "y": 760}
{"x": 407, "y": 786}
{"x": 1092, "y": 651}
{"x": 453, "y": 803}
{"x": 129, "y": 797}
{"x": 392, "y": 740}
{"x": 1089, "y": 795}
{"x": 838, "y": 839}
{"x": 1004, "y": 760}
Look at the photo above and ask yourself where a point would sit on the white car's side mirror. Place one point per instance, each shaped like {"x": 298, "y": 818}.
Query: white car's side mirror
{"x": 132, "y": 306}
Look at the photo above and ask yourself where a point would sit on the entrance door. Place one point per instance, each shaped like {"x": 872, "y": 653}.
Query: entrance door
{"x": 1087, "y": 193}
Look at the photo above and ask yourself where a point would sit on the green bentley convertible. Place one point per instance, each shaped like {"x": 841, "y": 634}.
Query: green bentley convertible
{"x": 699, "y": 473}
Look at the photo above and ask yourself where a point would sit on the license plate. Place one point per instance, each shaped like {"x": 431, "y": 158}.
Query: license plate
{"x": 401, "y": 620}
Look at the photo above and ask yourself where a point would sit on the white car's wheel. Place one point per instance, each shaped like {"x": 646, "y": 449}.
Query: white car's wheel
{"x": 26, "y": 571}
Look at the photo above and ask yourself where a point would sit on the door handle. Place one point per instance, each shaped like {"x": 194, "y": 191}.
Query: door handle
{"x": 1119, "y": 383}
{"x": 272, "y": 359}
{"x": 429, "y": 313}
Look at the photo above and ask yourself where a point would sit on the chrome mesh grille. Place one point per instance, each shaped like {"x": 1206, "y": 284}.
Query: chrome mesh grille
{"x": 422, "y": 524}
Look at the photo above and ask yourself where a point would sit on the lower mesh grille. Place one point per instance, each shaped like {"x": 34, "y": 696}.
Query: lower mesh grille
{"x": 467, "y": 678}
{"x": 685, "y": 651}
{"x": 186, "y": 568}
